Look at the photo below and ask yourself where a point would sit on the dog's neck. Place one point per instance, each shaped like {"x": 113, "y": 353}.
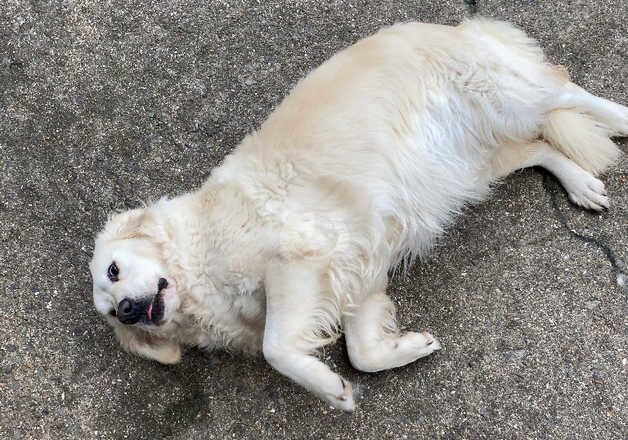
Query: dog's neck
{"x": 224, "y": 276}
{"x": 220, "y": 217}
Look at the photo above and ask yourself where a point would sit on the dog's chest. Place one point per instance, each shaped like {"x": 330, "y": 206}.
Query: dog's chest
{"x": 234, "y": 322}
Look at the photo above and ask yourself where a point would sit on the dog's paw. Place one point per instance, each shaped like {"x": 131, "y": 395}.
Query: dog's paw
{"x": 345, "y": 398}
{"x": 420, "y": 344}
{"x": 588, "y": 192}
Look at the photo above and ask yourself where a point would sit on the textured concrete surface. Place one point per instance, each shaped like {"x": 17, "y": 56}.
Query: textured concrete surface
{"x": 106, "y": 104}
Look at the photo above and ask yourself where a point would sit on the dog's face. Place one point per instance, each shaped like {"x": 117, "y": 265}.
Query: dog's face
{"x": 132, "y": 286}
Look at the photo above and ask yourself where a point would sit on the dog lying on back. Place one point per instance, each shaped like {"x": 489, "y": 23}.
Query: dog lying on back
{"x": 290, "y": 241}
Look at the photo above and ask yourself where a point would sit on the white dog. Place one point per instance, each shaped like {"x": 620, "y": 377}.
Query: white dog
{"x": 359, "y": 170}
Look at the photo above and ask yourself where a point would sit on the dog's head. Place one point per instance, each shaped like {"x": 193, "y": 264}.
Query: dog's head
{"x": 132, "y": 285}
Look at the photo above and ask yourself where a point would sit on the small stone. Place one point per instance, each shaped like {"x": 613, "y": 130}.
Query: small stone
{"x": 514, "y": 355}
{"x": 596, "y": 377}
{"x": 592, "y": 304}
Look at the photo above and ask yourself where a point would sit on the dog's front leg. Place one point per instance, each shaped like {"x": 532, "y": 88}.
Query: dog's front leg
{"x": 293, "y": 294}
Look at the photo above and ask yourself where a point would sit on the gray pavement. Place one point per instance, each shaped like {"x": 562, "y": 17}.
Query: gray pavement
{"x": 107, "y": 104}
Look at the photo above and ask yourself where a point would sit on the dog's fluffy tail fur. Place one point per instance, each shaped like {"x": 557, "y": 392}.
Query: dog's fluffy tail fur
{"x": 581, "y": 138}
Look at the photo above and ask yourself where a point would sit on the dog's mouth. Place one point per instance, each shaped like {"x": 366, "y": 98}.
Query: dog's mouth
{"x": 144, "y": 311}
{"x": 155, "y": 310}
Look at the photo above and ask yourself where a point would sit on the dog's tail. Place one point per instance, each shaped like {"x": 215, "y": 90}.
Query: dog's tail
{"x": 582, "y": 139}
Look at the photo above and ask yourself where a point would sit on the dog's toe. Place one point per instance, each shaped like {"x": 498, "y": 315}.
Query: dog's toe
{"x": 346, "y": 400}
{"x": 431, "y": 341}
{"x": 418, "y": 344}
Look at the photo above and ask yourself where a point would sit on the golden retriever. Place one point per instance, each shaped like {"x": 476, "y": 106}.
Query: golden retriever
{"x": 290, "y": 241}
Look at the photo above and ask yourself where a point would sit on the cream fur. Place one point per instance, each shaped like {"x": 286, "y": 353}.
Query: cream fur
{"x": 356, "y": 173}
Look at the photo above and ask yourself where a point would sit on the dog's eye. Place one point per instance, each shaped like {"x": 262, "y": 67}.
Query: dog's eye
{"x": 112, "y": 272}
{"x": 112, "y": 312}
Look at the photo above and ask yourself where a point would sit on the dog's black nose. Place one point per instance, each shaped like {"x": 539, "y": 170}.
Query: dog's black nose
{"x": 163, "y": 283}
{"x": 127, "y": 311}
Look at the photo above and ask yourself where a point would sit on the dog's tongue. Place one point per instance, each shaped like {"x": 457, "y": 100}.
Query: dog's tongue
{"x": 149, "y": 312}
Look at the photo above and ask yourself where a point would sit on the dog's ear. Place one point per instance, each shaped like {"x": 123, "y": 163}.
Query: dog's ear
{"x": 125, "y": 224}
{"x": 148, "y": 346}
{"x": 135, "y": 223}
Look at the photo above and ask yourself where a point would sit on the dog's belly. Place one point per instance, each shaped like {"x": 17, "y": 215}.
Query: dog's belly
{"x": 425, "y": 193}
{"x": 411, "y": 119}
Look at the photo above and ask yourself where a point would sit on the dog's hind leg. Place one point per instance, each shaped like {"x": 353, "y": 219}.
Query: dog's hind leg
{"x": 581, "y": 186}
{"x": 293, "y": 294}
{"x": 374, "y": 342}
{"x": 582, "y": 138}
{"x": 612, "y": 115}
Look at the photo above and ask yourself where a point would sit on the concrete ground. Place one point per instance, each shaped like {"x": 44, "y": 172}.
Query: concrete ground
{"x": 106, "y": 104}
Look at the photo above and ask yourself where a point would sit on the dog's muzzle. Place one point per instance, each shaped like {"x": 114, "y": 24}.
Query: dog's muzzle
{"x": 147, "y": 310}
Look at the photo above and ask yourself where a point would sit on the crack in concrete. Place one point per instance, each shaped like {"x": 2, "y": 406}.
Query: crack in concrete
{"x": 472, "y": 5}
{"x": 616, "y": 265}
